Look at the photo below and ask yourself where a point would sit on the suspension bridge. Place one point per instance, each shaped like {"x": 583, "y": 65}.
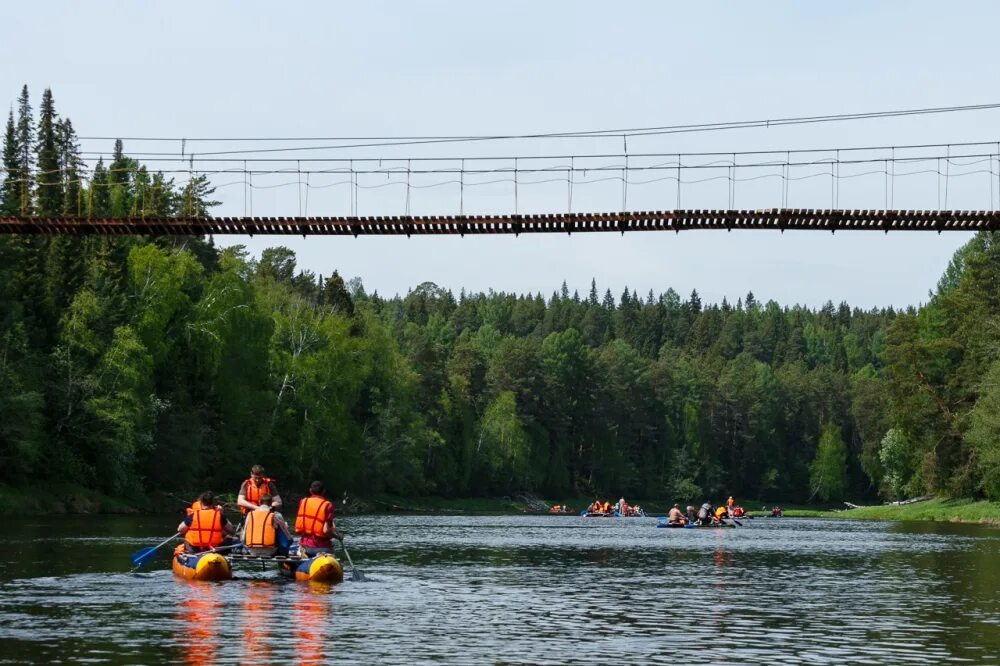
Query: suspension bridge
{"x": 942, "y": 187}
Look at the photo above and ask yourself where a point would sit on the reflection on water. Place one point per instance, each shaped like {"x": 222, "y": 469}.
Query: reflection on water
{"x": 548, "y": 589}
{"x": 199, "y": 618}
{"x": 258, "y": 622}
{"x": 311, "y": 608}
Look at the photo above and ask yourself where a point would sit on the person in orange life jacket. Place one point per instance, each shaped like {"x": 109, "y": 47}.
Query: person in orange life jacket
{"x": 206, "y": 529}
{"x": 265, "y": 532}
{"x": 196, "y": 505}
{"x": 314, "y": 522}
{"x": 730, "y": 503}
{"x": 251, "y": 490}
{"x": 720, "y": 513}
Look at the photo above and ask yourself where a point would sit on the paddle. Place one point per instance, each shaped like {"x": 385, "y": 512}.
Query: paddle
{"x": 143, "y": 555}
{"x": 356, "y": 574}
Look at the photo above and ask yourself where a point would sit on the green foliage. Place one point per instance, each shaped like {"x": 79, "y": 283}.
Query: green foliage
{"x": 983, "y": 433}
{"x": 829, "y": 468}
{"x": 118, "y": 354}
{"x": 894, "y": 455}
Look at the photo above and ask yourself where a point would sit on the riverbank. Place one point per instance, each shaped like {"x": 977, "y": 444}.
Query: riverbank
{"x": 59, "y": 498}
{"x": 938, "y": 509}
{"x": 73, "y": 499}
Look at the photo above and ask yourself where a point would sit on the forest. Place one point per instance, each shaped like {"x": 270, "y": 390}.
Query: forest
{"x": 135, "y": 364}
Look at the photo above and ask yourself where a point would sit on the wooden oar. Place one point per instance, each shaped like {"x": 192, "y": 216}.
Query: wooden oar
{"x": 143, "y": 555}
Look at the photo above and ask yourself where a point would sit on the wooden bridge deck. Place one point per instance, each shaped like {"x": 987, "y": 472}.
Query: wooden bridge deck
{"x": 792, "y": 219}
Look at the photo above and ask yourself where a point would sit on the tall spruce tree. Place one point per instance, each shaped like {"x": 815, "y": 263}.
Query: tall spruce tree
{"x": 73, "y": 167}
{"x": 49, "y": 190}
{"x": 99, "y": 199}
{"x": 25, "y": 141}
{"x": 13, "y": 174}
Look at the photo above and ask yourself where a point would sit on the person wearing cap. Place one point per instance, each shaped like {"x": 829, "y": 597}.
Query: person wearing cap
{"x": 675, "y": 517}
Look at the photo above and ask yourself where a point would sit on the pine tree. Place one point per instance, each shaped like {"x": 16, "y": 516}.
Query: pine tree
{"x": 334, "y": 293}
{"x": 49, "y": 191}
{"x": 10, "y": 191}
{"x": 694, "y": 303}
{"x": 100, "y": 191}
{"x": 195, "y": 197}
{"x": 25, "y": 140}
{"x": 72, "y": 169}
{"x": 121, "y": 193}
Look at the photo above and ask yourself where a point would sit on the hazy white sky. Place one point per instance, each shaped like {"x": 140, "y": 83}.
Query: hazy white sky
{"x": 252, "y": 69}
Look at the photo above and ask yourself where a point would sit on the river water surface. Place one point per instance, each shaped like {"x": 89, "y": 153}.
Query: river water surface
{"x": 500, "y": 589}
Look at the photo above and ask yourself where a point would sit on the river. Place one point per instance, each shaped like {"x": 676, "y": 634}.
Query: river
{"x": 512, "y": 590}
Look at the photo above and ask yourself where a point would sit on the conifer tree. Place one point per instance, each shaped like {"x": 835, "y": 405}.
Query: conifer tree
{"x": 25, "y": 142}
{"x": 49, "y": 191}
{"x": 100, "y": 191}
{"x": 72, "y": 166}
{"x": 13, "y": 175}
{"x": 195, "y": 198}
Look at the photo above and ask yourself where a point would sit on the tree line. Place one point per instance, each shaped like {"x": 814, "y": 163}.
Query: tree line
{"x": 134, "y": 364}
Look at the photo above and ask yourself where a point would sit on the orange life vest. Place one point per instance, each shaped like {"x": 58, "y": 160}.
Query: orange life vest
{"x": 258, "y": 531}
{"x": 720, "y": 512}
{"x": 206, "y": 528}
{"x": 311, "y": 517}
{"x": 253, "y": 492}
{"x": 195, "y": 506}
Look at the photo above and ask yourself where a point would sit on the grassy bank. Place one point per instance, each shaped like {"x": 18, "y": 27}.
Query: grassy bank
{"x": 944, "y": 510}
{"x": 938, "y": 509}
{"x": 57, "y": 498}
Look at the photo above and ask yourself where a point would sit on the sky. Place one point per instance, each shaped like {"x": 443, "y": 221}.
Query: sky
{"x": 195, "y": 70}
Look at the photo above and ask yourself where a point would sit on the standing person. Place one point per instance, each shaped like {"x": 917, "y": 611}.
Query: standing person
{"x": 205, "y": 528}
{"x": 265, "y": 532}
{"x": 251, "y": 490}
{"x": 314, "y": 522}
{"x": 730, "y": 504}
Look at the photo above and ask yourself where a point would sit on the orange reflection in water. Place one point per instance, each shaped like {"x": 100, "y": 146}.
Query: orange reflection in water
{"x": 256, "y": 618}
{"x": 200, "y": 615}
{"x": 311, "y": 612}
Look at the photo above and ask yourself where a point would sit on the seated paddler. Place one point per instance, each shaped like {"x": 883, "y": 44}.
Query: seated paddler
{"x": 206, "y": 528}
{"x": 265, "y": 533}
{"x": 314, "y": 523}
{"x": 675, "y": 517}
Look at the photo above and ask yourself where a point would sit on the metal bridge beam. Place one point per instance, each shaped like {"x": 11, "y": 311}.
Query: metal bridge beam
{"x": 792, "y": 219}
